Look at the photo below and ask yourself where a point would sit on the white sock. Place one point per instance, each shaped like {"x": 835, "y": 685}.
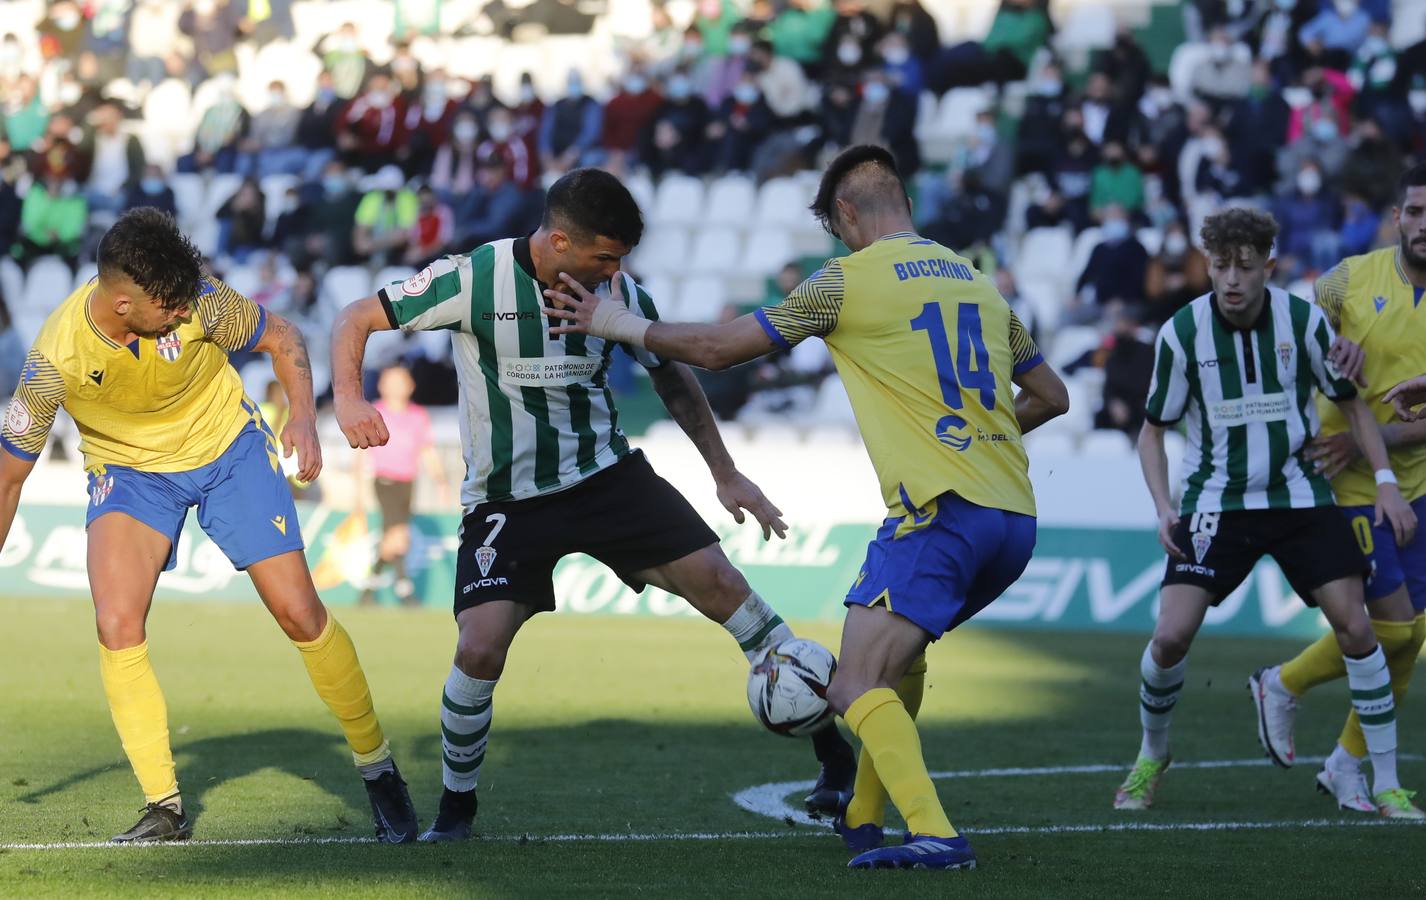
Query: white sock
{"x": 756, "y": 627}
{"x": 1343, "y": 760}
{"x": 1370, "y": 682}
{"x": 1158, "y": 692}
{"x": 466, "y": 710}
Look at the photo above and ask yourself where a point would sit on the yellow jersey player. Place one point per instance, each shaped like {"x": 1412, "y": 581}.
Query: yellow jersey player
{"x": 928, "y": 351}
{"x": 139, "y": 359}
{"x": 1374, "y": 303}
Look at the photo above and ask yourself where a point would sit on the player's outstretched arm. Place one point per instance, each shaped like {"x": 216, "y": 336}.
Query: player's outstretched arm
{"x": 13, "y": 472}
{"x": 283, "y": 341}
{"x": 1154, "y": 460}
{"x": 713, "y": 347}
{"x": 1043, "y": 396}
{"x": 684, "y": 399}
{"x": 1391, "y": 506}
{"x": 359, "y": 420}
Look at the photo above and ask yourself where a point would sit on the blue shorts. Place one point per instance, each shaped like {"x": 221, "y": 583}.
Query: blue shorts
{"x": 1392, "y": 566}
{"x": 948, "y": 569}
{"x": 244, "y": 503}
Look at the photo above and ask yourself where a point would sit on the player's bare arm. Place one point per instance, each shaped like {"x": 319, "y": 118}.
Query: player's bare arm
{"x": 685, "y": 401}
{"x": 1335, "y": 452}
{"x": 359, "y": 420}
{"x": 706, "y": 346}
{"x": 1154, "y": 461}
{"x": 1406, "y": 397}
{"x": 293, "y": 367}
{"x": 13, "y": 472}
{"x": 1043, "y": 396}
{"x": 1391, "y": 506}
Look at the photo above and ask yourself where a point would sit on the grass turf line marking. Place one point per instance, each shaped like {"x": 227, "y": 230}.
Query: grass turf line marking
{"x": 770, "y": 800}
{"x": 743, "y": 835}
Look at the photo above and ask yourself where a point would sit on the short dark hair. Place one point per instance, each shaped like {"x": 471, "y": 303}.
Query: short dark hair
{"x": 1412, "y": 177}
{"x": 877, "y": 162}
{"x": 590, "y": 203}
{"x": 146, "y": 247}
{"x": 1237, "y": 227}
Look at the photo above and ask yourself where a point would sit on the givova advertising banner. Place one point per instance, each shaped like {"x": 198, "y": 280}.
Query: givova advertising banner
{"x": 1080, "y": 578}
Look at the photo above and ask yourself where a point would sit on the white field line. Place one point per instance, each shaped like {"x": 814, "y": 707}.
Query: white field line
{"x": 768, "y": 800}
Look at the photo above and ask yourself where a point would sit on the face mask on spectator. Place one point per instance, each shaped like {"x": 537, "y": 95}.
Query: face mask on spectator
{"x": 10, "y": 54}
{"x": 67, "y": 20}
{"x": 500, "y": 131}
{"x": 1309, "y": 181}
{"x": 1374, "y": 45}
{"x": 849, "y": 53}
{"x": 464, "y": 131}
{"x": 379, "y": 99}
{"x": 745, "y": 93}
{"x": 739, "y": 46}
{"x": 1221, "y": 53}
{"x": 635, "y": 84}
{"x": 326, "y": 94}
{"x": 69, "y": 93}
{"x": 985, "y": 132}
{"x": 1212, "y": 147}
{"x": 1285, "y": 5}
{"x": 875, "y": 92}
{"x": 334, "y": 185}
{"x": 347, "y": 44}
{"x": 1176, "y": 244}
{"x": 1048, "y": 87}
{"x": 1236, "y": 8}
{"x": 1345, "y": 8}
{"x": 435, "y": 93}
{"x": 1324, "y": 129}
{"x": 276, "y": 98}
{"x": 527, "y": 93}
{"x": 151, "y": 185}
{"x": 1417, "y": 99}
{"x": 575, "y": 87}
{"x": 679, "y": 88}
{"x": 896, "y": 55}
{"x": 1114, "y": 231}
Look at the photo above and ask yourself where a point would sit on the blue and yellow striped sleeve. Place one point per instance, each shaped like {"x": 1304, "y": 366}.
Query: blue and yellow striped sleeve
{"x": 231, "y": 320}
{"x": 811, "y": 309}
{"x": 1025, "y": 353}
{"x": 1330, "y": 292}
{"x": 32, "y": 410}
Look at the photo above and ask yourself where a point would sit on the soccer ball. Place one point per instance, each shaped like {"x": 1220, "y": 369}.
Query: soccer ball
{"x": 787, "y": 688}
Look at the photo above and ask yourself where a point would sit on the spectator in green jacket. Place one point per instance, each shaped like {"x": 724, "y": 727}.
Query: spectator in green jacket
{"x": 1019, "y": 28}
{"x": 1115, "y": 181}
{"x": 24, "y": 114}
{"x": 800, "y": 31}
{"x": 52, "y": 216}
{"x": 715, "y": 22}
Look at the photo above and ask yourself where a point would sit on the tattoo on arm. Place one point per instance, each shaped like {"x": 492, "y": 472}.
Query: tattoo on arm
{"x": 289, "y": 352}
{"x": 688, "y": 406}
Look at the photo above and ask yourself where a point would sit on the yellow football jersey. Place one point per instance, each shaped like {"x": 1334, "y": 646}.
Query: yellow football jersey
{"x": 926, "y": 347}
{"x": 1369, "y": 301}
{"x": 170, "y": 404}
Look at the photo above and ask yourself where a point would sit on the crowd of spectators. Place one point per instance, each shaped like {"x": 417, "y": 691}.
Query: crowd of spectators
{"x": 1301, "y": 106}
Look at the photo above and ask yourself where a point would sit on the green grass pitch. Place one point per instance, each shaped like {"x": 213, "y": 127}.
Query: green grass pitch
{"x": 610, "y": 728}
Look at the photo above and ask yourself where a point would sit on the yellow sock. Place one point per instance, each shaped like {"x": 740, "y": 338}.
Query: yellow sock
{"x": 868, "y": 804}
{"x": 1401, "y": 643}
{"x": 336, "y": 673}
{"x": 885, "y": 728}
{"x": 1320, "y": 662}
{"x": 140, "y": 716}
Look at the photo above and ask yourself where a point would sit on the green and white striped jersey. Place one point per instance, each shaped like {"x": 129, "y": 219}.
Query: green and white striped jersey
{"x": 537, "y": 415}
{"x": 1247, "y": 396}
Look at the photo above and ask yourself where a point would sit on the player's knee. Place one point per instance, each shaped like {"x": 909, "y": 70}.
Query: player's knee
{"x": 301, "y": 624}
{"x": 119, "y": 632}
{"x": 480, "y": 659}
{"x": 1170, "y": 649}
{"x": 844, "y": 691}
{"x": 1355, "y": 635}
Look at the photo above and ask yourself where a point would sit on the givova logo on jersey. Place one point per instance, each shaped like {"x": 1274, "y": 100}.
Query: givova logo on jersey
{"x": 170, "y": 346}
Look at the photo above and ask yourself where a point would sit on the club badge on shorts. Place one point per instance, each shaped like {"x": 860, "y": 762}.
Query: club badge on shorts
{"x": 485, "y": 558}
{"x": 170, "y": 346}
{"x": 102, "y": 488}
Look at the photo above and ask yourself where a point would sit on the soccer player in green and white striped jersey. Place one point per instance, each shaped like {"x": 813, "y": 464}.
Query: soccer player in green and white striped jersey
{"x": 548, "y": 471}
{"x": 1241, "y": 366}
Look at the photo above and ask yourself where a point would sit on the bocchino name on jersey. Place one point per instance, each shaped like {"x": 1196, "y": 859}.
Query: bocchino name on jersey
{"x": 933, "y": 268}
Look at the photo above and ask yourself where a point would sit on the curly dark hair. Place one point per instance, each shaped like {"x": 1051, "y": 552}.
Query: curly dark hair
{"x": 146, "y": 247}
{"x": 1238, "y": 227}
{"x": 882, "y": 182}
{"x": 1412, "y": 177}
{"x": 591, "y": 203}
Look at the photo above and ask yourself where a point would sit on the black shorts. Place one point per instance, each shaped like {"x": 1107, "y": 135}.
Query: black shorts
{"x": 394, "y": 498}
{"x": 1313, "y": 547}
{"x": 625, "y": 516}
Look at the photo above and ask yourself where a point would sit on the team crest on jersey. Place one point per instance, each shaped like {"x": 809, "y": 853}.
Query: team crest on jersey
{"x": 103, "y": 486}
{"x": 416, "y": 285}
{"x": 170, "y": 346}
{"x": 1379, "y": 302}
{"x": 18, "y": 418}
{"x": 485, "y": 558}
{"x": 1284, "y": 355}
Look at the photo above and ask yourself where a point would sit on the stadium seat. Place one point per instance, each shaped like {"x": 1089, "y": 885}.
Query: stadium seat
{"x": 731, "y": 201}
{"x": 343, "y": 284}
{"x": 1106, "y": 444}
{"x": 274, "y": 194}
{"x": 204, "y": 96}
{"x": 678, "y": 200}
{"x": 715, "y": 249}
{"x": 48, "y": 283}
{"x": 1072, "y": 342}
{"x": 662, "y": 288}
{"x": 1089, "y": 26}
{"x": 12, "y": 283}
{"x": 832, "y": 406}
{"x": 642, "y": 187}
{"x": 1048, "y": 443}
{"x": 1044, "y": 252}
{"x": 664, "y": 430}
{"x": 663, "y": 251}
{"x": 1408, "y": 23}
{"x": 293, "y": 65}
{"x": 701, "y": 299}
{"x": 167, "y": 107}
{"x": 783, "y": 201}
{"x": 1152, "y": 239}
{"x": 243, "y": 279}
{"x": 189, "y": 193}
{"x": 1083, "y": 248}
{"x": 1185, "y": 60}
{"x": 86, "y": 271}
{"x": 768, "y": 250}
